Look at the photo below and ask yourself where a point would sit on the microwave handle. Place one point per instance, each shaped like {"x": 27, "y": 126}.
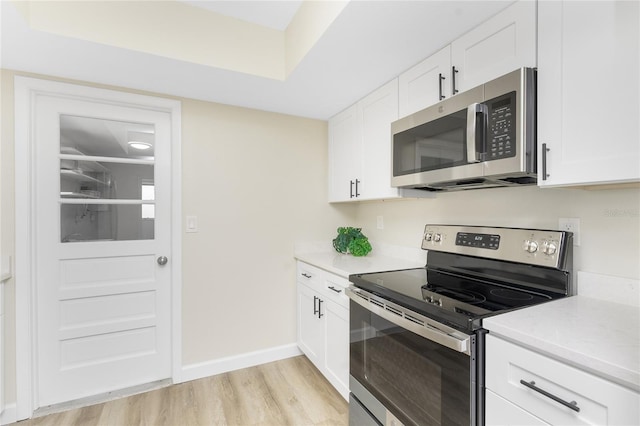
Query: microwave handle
{"x": 473, "y": 111}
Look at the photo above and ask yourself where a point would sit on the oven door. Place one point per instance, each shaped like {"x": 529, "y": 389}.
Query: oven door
{"x": 398, "y": 374}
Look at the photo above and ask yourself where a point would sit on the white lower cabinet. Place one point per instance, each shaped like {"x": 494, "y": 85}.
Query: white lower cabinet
{"x": 323, "y": 323}
{"x": 525, "y": 387}
{"x": 311, "y": 328}
{"x": 336, "y": 348}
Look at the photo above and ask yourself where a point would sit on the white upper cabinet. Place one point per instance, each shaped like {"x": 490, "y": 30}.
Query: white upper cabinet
{"x": 588, "y": 93}
{"x": 375, "y": 114}
{"x": 360, "y": 148}
{"x": 499, "y": 45}
{"x": 344, "y": 154}
{"x": 426, "y": 83}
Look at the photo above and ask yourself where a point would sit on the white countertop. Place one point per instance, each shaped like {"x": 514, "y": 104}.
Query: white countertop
{"x": 382, "y": 258}
{"x": 597, "y": 336}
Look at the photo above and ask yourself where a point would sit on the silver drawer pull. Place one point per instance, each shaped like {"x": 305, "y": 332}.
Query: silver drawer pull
{"x": 305, "y": 275}
{"x": 335, "y": 289}
{"x": 532, "y": 385}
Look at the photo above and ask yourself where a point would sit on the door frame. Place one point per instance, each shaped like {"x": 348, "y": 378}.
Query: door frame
{"x": 26, "y": 92}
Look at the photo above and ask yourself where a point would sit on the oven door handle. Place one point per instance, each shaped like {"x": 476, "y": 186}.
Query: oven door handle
{"x": 412, "y": 321}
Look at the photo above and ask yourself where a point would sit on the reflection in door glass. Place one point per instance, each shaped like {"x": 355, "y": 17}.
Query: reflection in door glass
{"x": 104, "y": 222}
{"x": 111, "y": 161}
{"x": 106, "y": 138}
{"x": 112, "y": 181}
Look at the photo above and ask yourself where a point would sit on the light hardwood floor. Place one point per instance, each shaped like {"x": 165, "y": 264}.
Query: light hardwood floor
{"x": 286, "y": 392}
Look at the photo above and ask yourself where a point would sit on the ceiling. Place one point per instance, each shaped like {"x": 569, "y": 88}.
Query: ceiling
{"x": 272, "y": 14}
{"x": 368, "y": 44}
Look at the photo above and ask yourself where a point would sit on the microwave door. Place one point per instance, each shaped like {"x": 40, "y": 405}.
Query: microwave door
{"x": 431, "y": 145}
{"x": 441, "y": 150}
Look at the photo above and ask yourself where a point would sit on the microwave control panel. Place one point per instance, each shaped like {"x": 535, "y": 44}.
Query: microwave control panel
{"x": 501, "y": 133}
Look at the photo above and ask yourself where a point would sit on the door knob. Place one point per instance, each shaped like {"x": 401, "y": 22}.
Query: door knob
{"x": 162, "y": 260}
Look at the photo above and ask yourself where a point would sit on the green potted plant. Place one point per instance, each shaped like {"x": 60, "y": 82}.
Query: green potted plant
{"x": 351, "y": 240}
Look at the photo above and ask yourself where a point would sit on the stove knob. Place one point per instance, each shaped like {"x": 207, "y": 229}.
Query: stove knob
{"x": 437, "y": 237}
{"x": 428, "y": 236}
{"x": 439, "y": 302}
{"x": 549, "y": 247}
{"x": 530, "y": 246}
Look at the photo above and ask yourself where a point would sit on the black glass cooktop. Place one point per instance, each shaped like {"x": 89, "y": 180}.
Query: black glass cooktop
{"x": 460, "y": 297}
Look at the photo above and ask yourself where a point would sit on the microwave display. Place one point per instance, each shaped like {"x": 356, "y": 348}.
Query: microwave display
{"x": 502, "y": 127}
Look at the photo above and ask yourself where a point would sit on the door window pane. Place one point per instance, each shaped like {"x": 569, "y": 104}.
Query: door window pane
{"x": 112, "y": 181}
{"x": 104, "y": 222}
{"x": 107, "y": 189}
{"x": 106, "y": 138}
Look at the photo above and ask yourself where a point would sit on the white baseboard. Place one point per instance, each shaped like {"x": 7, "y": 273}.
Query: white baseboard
{"x": 9, "y": 414}
{"x": 236, "y": 362}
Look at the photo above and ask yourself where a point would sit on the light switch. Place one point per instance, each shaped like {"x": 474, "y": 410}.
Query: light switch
{"x": 192, "y": 224}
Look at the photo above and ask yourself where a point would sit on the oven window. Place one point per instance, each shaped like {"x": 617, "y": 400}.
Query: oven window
{"x": 435, "y": 145}
{"x": 419, "y": 381}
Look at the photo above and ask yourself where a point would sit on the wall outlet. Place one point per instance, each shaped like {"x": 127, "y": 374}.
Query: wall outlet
{"x": 571, "y": 224}
{"x": 380, "y": 222}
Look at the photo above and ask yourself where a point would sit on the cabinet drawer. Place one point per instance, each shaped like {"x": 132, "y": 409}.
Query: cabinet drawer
{"x": 334, "y": 287}
{"x": 500, "y": 412}
{"x": 309, "y": 275}
{"x": 599, "y": 401}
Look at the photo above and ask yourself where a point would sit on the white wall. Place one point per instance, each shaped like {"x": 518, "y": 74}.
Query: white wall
{"x": 257, "y": 182}
{"x": 610, "y": 220}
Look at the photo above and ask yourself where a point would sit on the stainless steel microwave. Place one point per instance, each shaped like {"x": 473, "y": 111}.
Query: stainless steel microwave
{"x": 482, "y": 138}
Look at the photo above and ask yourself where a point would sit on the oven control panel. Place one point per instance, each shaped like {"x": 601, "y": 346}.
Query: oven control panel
{"x": 532, "y": 246}
{"x": 483, "y": 241}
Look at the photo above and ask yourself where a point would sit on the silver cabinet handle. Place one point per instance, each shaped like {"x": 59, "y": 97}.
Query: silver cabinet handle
{"x": 440, "y": 78}
{"x": 532, "y": 385}
{"x": 306, "y": 275}
{"x": 335, "y": 289}
{"x": 162, "y": 260}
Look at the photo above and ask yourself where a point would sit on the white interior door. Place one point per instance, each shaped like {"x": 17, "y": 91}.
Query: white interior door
{"x": 103, "y": 298}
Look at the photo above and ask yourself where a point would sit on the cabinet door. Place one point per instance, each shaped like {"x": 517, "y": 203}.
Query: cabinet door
{"x": 588, "y": 92}
{"x": 344, "y": 155}
{"x": 500, "y": 412}
{"x": 337, "y": 347}
{"x": 311, "y": 328}
{"x": 501, "y": 44}
{"x": 375, "y": 114}
{"x": 419, "y": 87}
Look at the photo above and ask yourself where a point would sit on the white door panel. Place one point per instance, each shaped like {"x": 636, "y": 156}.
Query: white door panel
{"x": 103, "y": 302}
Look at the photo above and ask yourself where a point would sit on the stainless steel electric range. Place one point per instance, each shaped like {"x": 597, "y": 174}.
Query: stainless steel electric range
{"x": 416, "y": 336}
